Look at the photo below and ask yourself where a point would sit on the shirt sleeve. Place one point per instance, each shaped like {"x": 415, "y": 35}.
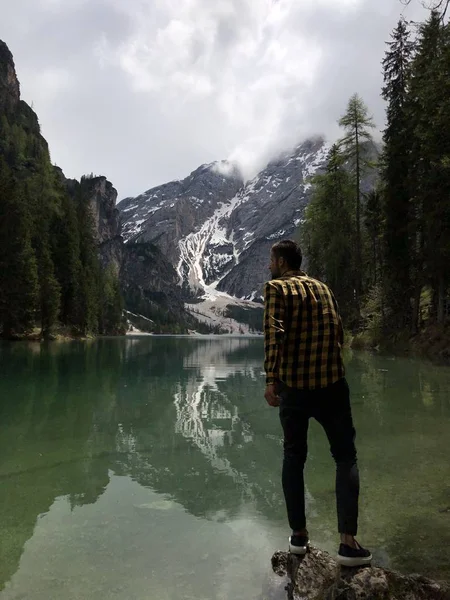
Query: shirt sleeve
{"x": 273, "y": 331}
{"x": 340, "y": 326}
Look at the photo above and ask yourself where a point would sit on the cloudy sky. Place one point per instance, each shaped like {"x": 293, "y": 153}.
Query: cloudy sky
{"x": 144, "y": 91}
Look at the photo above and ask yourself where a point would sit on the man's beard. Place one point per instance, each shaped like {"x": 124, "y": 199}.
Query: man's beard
{"x": 275, "y": 273}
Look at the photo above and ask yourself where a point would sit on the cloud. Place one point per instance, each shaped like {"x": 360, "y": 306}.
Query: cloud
{"x": 50, "y": 83}
{"x": 146, "y": 90}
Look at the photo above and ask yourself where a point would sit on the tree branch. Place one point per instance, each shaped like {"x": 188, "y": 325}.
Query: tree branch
{"x": 440, "y": 5}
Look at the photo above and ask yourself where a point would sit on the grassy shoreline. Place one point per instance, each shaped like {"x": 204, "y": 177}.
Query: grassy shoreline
{"x": 57, "y": 336}
{"x": 431, "y": 343}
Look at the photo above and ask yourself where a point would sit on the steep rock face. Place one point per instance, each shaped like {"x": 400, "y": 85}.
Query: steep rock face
{"x": 272, "y": 210}
{"x": 9, "y": 84}
{"x": 150, "y": 284}
{"x": 215, "y": 230}
{"x": 169, "y": 213}
{"x": 102, "y": 198}
{"x": 14, "y": 112}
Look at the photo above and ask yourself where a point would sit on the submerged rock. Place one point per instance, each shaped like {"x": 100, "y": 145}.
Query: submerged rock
{"x": 317, "y": 576}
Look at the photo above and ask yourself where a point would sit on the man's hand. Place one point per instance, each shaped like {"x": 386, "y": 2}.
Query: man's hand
{"x": 271, "y": 395}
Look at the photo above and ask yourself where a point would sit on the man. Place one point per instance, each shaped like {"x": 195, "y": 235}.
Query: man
{"x": 305, "y": 377}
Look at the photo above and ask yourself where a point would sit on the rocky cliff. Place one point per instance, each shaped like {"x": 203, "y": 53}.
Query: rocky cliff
{"x": 272, "y": 209}
{"x": 102, "y": 199}
{"x": 150, "y": 288}
{"x": 9, "y": 84}
{"x": 16, "y": 110}
{"x": 174, "y": 216}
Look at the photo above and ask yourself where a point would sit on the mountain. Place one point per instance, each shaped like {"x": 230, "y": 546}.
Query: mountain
{"x": 217, "y": 230}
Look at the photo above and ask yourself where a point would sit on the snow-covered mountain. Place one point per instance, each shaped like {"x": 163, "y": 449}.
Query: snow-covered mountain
{"x": 217, "y": 230}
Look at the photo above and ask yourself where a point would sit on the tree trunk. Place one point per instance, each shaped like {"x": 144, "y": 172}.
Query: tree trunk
{"x": 317, "y": 576}
{"x": 441, "y": 301}
{"x": 358, "y": 219}
{"x": 375, "y": 278}
{"x": 419, "y": 271}
{"x": 415, "y": 325}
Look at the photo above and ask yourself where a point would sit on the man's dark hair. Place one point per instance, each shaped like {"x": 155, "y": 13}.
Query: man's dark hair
{"x": 290, "y": 251}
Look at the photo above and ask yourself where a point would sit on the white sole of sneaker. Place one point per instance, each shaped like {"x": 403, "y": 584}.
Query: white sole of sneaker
{"x": 298, "y": 550}
{"x": 346, "y": 561}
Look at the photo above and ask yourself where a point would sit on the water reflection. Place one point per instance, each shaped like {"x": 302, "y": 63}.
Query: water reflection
{"x": 205, "y": 415}
{"x": 185, "y": 418}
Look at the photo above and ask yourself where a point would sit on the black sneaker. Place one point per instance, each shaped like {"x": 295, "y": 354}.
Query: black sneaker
{"x": 298, "y": 544}
{"x": 353, "y": 557}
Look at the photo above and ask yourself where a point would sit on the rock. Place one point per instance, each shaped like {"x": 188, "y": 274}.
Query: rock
{"x": 169, "y": 213}
{"x": 150, "y": 284}
{"x": 317, "y": 576}
{"x": 102, "y": 198}
{"x": 9, "y": 84}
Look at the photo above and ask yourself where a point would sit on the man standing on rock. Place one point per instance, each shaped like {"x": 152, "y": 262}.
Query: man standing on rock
{"x": 305, "y": 377}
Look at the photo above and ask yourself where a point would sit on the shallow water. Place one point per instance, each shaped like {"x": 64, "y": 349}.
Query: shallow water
{"x": 149, "y": 468}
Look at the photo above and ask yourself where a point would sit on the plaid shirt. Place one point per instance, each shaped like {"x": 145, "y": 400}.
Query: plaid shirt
{"x": 303, "y": 334}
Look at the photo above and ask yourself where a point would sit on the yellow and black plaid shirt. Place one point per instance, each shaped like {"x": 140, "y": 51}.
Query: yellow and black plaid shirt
{"x": 303, "y": 333}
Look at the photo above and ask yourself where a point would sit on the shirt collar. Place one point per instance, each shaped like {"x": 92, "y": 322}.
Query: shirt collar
{"x": 294, "y": 273}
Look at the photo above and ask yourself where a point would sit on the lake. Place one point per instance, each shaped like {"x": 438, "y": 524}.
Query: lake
{"x": 149, "y": 468}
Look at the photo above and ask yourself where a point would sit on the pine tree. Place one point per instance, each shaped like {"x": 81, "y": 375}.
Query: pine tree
{"x": 373, "y": 221}
{"x": 356, "y": 123}
{"x": 45, "y": 202}
{"x": 426, "y": 155}
{"x": 50, "y": 290}
{"x": 18, "y": 270}
{"x": 111, "y": 303}
{"x": 66, "y": 242}
{"x": 437, "y": 216}
{"x": 90, "y": 268}
{"x": 328, "y": 231}
{"x": 396, "y": 175}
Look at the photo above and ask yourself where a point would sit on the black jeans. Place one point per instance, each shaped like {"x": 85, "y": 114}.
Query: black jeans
{"x": 330, "y": 406}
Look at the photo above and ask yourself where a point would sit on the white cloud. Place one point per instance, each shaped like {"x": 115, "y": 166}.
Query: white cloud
{"x": 247, "y": 55}
{"x": 50, "y": 82}
{"x": 146, "y": 90}
{"x": 59, "y": 5}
